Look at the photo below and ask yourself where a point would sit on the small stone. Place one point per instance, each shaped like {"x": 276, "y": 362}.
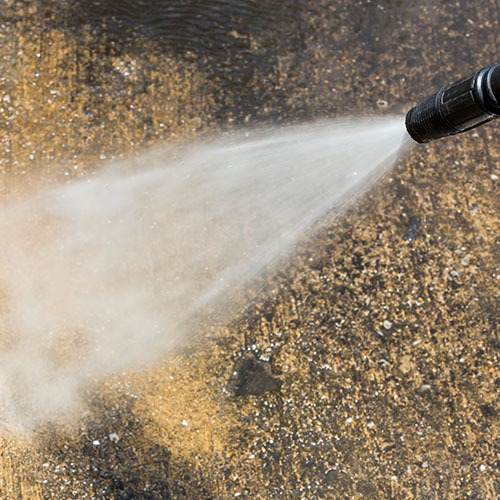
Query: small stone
{"x": 488, "y": 411}
{"x": 114, "y": 438}
{"x": 411, "y": 232}
{"x": 494, "y": 177}
{"x": 405, "y": 364}
{"x": 252, "y": 377}
{"x": 185, "y": 423}
{"x": 387, "y": 324}
{"x": 96, "y": 442}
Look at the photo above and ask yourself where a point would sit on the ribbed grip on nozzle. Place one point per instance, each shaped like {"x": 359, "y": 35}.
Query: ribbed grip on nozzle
{"x": 460, "y": 106}
{"x": 425, "y": 122}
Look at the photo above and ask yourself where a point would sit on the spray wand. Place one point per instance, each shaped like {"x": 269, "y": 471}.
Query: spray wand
{"x": 458, "y": 107}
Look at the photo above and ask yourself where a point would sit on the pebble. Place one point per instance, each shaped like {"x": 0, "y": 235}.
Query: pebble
{"x": 96, "y": 442}
{"x": 114, "y": 438}
{"x": 411, "y": 232}
{"x": 488, "y": 410}
{"x": 252, "y": 377}
{"x": 387, "y": 324}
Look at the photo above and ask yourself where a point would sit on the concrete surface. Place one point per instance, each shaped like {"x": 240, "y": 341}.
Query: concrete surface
{"x": 387, "y": 349}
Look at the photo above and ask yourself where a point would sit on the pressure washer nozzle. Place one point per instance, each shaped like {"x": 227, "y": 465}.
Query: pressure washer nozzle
{"x": 458, "y": 107}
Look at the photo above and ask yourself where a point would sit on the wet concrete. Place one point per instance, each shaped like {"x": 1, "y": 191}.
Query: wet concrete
{"x": 387, "y": 348}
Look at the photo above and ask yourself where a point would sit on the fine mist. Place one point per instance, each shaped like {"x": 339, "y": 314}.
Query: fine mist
{"x": 106, "y": 273}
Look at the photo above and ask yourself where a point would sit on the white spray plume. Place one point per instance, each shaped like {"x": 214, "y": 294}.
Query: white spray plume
{"x": 103, "y": 273}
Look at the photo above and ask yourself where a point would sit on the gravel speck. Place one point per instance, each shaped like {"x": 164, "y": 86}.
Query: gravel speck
{"x": 411, "y": 232}
{"x": 114, "y": 438}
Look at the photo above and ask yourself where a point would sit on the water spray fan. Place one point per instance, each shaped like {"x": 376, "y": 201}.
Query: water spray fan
{"x": 458, "y": 107}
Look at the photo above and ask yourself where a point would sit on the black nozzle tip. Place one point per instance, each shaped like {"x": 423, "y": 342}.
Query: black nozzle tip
{"x": 414, "y": 128}
{"x": 425, "y": 122}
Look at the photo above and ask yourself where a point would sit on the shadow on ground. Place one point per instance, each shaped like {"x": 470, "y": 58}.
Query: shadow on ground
{"x": 110, "y": 457}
